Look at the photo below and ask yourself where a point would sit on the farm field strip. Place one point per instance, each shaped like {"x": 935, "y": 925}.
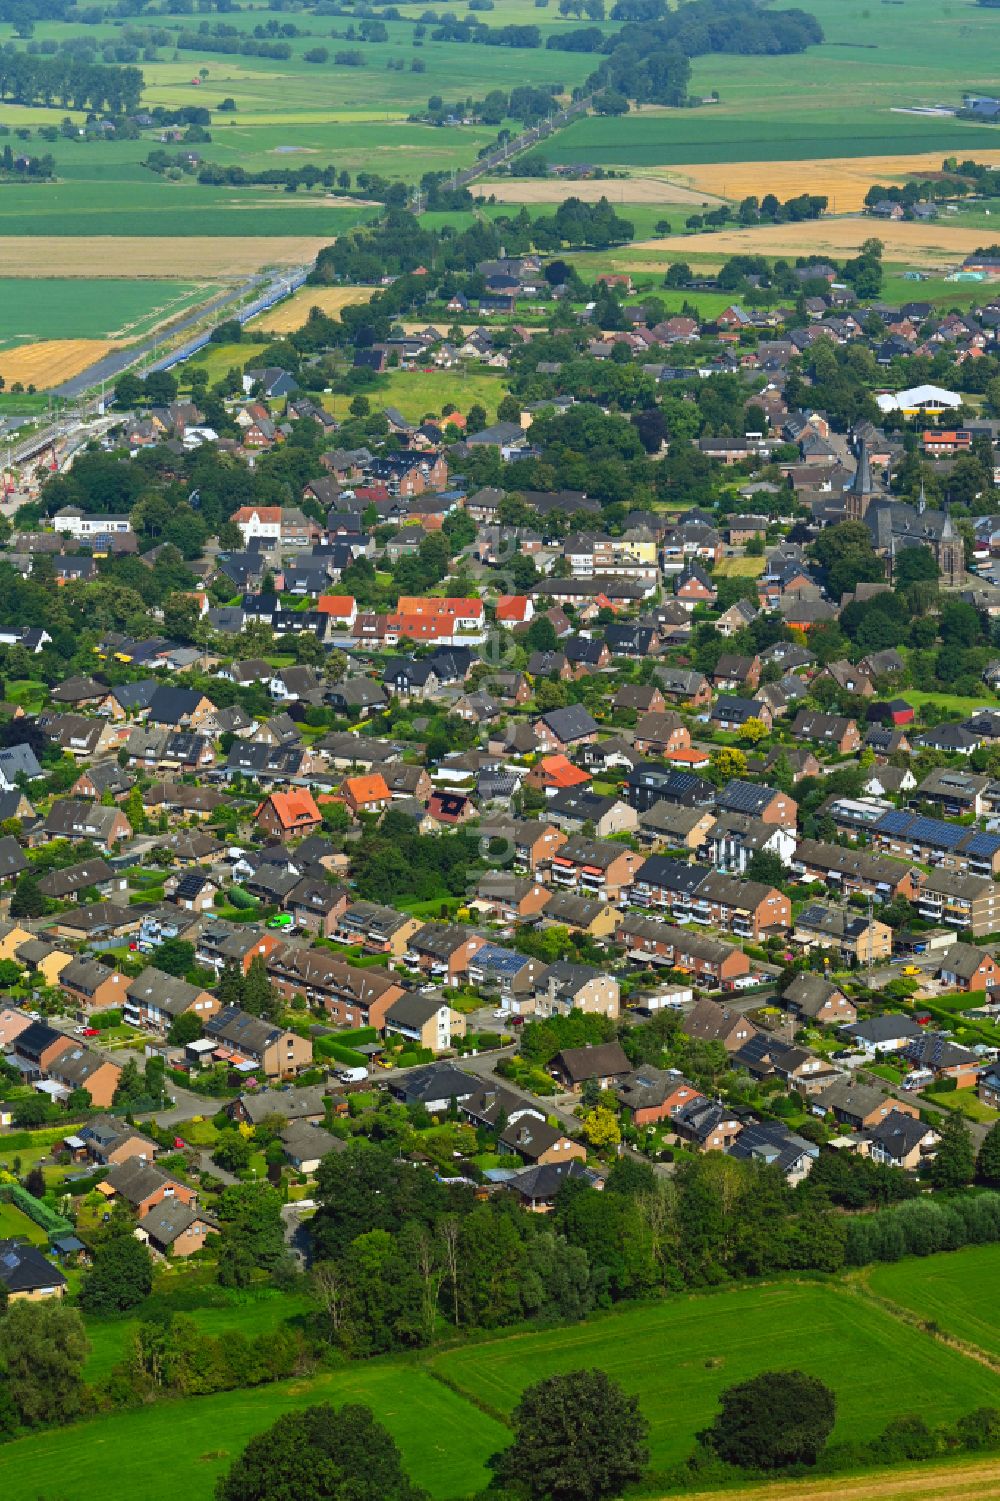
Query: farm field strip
{"x": 957, "y": 1481}
{"x": 845, "y": 181}
{"x": 106, "y": 308}
{"x": 626, "y": 190}
{"x": 932, "y": 244}
{"x": 124, "y": 256}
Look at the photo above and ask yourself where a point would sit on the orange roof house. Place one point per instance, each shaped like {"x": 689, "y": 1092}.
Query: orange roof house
{"x": 366, "y": 794}
{"x": 427, "y": 619}
{"x": 284, "y": 815}
{"x": 514, "y": 609}
{"x": 689, "y": 759}
{"x": 342, "y": 608}
{"x": 555, "y": 774}
{"x": 422, "y": 605}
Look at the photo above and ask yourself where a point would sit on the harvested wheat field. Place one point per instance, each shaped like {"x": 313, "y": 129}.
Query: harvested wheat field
{"x": 198, "y": 257}
{"x": 953, "y": 1482}
{"x": 919, "y": 244}
{"x": 590, "y": 190}
{"x": 51, "y": 360}
{"x": 845, "y": 181}
{"x": 294, "y": 311}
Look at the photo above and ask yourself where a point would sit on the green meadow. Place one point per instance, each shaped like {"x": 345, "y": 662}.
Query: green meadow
{"x": 171, "y": 1449}
{"x": 678, "y": 1357}
{"x": 448, "y": 1411}
{"x": 839, "y": 99}
{"x": 955, "y": 1291}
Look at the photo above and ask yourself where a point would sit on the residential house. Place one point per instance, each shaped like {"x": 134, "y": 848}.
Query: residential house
{"x": 243, "y": 1039}
{"x": 709, "y": 1021}
{"x": 424, "y": 1019}
{"x": 604, "y": 1064}
{"x": 154, "y": 1000}
{"x": 287, "y": 815}
{"x": 815, "y": 999}
{"x": 351, "y": 996}
{"x": 26, "y": 1275}
{"x": 175, "y": 1229}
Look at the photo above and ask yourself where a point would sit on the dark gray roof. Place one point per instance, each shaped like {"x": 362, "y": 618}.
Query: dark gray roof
{"x": 23, "y": 1268}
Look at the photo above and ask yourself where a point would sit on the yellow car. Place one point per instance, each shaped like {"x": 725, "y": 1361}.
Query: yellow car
{"x": 911, "y": 969}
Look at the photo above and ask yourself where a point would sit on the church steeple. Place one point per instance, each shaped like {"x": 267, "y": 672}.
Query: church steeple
{"x": 861, "y": 484}
{"x": 921, "y": 500}
{"x": 861, "y": 491}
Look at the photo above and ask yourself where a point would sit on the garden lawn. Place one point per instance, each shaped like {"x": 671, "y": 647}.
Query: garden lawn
{"x": 966, "y": 1101}
{"x": 15, "y": 1225}
{"x": 180, "y": 1448}
{"x": 746, "y": 567}
{"x": 418, "y": 393}
{"x": 956, "y": 1290}
{"x": 680, "y": 1355}
{"x": 952, "y": 702}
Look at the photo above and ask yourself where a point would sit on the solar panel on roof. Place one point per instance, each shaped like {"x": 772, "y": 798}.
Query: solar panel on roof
{"x": 504, "y": 961}
{"x": 894, "y": 822}
{"x": 933, "y": 831}
{"x": 983, "y": 844}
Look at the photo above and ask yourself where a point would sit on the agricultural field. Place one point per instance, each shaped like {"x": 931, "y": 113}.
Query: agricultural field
{"x": 52, "y": 361}
{"x": 94, "y": 308}
{"x": 844, "y": 98}
{"x": 630, "y": 191}
{"x": 293, "y": 312}
{"x": 956, "y": 1291}
{"x": 919, "y": 245}
{"x": 678, "y": 1356}
{"x": 844, "y": 180}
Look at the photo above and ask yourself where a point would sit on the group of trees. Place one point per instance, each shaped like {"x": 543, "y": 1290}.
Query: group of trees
{"x": 34, "y": 168}
{"x": 648, "y": 59}
{"x": 68, "y": 82}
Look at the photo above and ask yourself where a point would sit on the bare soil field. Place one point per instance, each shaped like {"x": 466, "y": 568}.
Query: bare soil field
{"x": 51, "y": 361}
{"x": 294, "y": 311}
{"x": 953, "y": 1482}
{"x": 591, "y": 190}
{"x": 208, "y": 257}
{"x": 934, "y": 244}
{"x": 844, "y": 180}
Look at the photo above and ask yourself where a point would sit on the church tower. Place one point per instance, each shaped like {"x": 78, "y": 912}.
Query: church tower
{"x": 861, "y": 491}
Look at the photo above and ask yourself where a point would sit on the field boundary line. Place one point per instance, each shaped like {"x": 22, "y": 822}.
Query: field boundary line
{"x": 459, "y": 1391}
{"x": 859, "y": 1287}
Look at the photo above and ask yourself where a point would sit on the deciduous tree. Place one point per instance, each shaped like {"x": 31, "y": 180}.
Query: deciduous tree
{"x": 577, "y": 1437}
